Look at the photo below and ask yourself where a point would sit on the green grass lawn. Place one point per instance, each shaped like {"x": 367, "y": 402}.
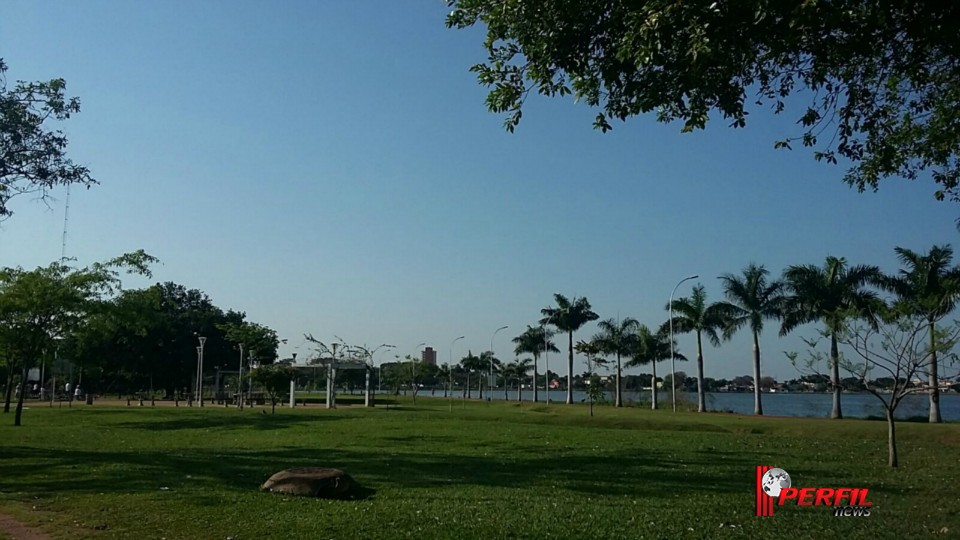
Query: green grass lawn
{"x": 484, "y": 471}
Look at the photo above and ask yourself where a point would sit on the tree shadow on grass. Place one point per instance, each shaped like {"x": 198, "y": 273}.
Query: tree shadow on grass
{"x": 195, "y": 473}
{"x": 259, "y": 420}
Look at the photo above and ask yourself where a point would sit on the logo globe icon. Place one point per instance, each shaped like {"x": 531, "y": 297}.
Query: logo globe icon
{"x": 774, "y": 480}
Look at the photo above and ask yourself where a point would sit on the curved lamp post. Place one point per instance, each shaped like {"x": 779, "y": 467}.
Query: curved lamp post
{"x": 673, "y": 363}
{"x": 380, "y": 366}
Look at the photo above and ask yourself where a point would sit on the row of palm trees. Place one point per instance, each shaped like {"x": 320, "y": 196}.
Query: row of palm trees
{"x": 926, "y": 286}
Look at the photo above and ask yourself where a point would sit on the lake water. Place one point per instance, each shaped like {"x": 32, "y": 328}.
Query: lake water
{"x": 804, "y": 404}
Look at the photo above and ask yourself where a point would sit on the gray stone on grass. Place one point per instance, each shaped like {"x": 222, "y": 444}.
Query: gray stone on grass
{"x": 311, "y": 482}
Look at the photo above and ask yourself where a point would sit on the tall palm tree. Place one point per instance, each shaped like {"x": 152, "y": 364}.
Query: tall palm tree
{"x": 695, "y": 315}
{"x": 470, "y": 364}
{"x": 617, "y": 338}
{"x": 516, "y": 370}
{"x": 568, "y": 317}
{"x": 445, "y": 374}
{"x": 534, "y": 340}
{"x": 831, "y": 294}
{"x": 486, "y": 358}
{"x": 649, "y": 348}
{"x": 929, "y": 287}
{"x": 752, "y": 299}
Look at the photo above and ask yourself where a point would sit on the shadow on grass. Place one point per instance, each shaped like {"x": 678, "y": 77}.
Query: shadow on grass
{"x": 260, "y": 420}
{"x": 195, "y": 473}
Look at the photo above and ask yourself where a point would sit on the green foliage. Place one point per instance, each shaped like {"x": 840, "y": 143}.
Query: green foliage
{"x": 595, "y": 390}
{"x": 39, "y": 307}
{"x": 695, "y": 315}
{"x": 878, "y": 82}
{"x": 752, "y": 299}
{"x": 649, "y": 346}
{"x": 832, "y": 293}
{"x": 258, "y": 341}
{"x": 617, "y": 338}
{"x": 534, "y": 340}
{"x": 927, "y": 285}
{"x": 153, "y": 333}
{"x": 275, "y": 379}
{"x": 568, "y": 316}
{"x": 33, "y": 158}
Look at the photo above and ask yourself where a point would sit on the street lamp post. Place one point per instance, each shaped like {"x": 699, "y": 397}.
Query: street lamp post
{"x": 240, "y": 383}
{"x": 490, "y": 379}
{"x": 546, "y": 362}
{"x": 450, "y": 366}
{"x": 203, "y": 341}
{"x": 196, "y": 383}
{"x": 380, "y": 366}
{"x": 673, "y": 362}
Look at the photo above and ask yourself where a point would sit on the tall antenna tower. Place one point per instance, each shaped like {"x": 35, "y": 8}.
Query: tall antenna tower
{"x": 66, "y": 216}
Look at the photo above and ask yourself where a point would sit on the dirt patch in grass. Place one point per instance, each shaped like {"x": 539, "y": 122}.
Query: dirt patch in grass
{"x": 18, "y": 531}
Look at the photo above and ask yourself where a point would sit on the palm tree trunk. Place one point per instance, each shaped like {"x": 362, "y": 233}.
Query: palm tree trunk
{"x": 933, "y": 381}
{"x": 653, "y": 386}
{"x": 519, "y": 390}
{"x": 701, "y": 395}
{"x": 570, "y": 369}
{"x": 469, "y": 390}
{"x": 891, "y": 440}
{"x": 480, "y": 385}
{"x": 619, "y": 394}
{"x": 835, "y": 376}
{"x": 535, "y": 358}
{"x": 757, "y": 406}
{"x": 505, "y": 385}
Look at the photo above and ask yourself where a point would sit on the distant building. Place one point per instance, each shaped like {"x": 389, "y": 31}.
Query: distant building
{"x": 429, "y": 356}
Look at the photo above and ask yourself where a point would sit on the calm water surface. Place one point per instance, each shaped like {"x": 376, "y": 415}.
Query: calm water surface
{"x": 777, "y": 404}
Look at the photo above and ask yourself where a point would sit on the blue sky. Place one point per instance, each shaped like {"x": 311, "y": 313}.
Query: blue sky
{"x": 329, "y": 167}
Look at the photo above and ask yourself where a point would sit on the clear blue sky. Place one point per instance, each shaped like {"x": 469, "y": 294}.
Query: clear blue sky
{"x": 329, "y": 167}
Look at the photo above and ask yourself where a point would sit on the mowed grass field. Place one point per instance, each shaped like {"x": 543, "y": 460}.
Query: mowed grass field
{"x": 481, "y": 471}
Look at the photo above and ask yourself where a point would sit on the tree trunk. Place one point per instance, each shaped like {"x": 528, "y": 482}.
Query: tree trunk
{"x": 273, "y": 406}
{"x": 836, "y": 413}
{"x": 891, "y": 439}
{"x": 505, "y": 385}
{"x": 701, "y": 395}
{"x": 653, "y": 386}
{"x": 469, "y": 390}
{"x": 520, "y": 390}
{"x": 757, "y": 406}
{"x": 9, "y": 392}
{"x": 570, "y": 369}
{"x": 480, "y": 386}
{"x": 619, "y": 394}
{"x": 535, "y": 396}
{"x": 934, "y": 379}
{"x": 23, "y": 391}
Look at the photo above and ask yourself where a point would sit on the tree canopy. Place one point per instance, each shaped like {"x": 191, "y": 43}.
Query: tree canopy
{"x": 874, "y": 83}
{"x": 33, "y": 158}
